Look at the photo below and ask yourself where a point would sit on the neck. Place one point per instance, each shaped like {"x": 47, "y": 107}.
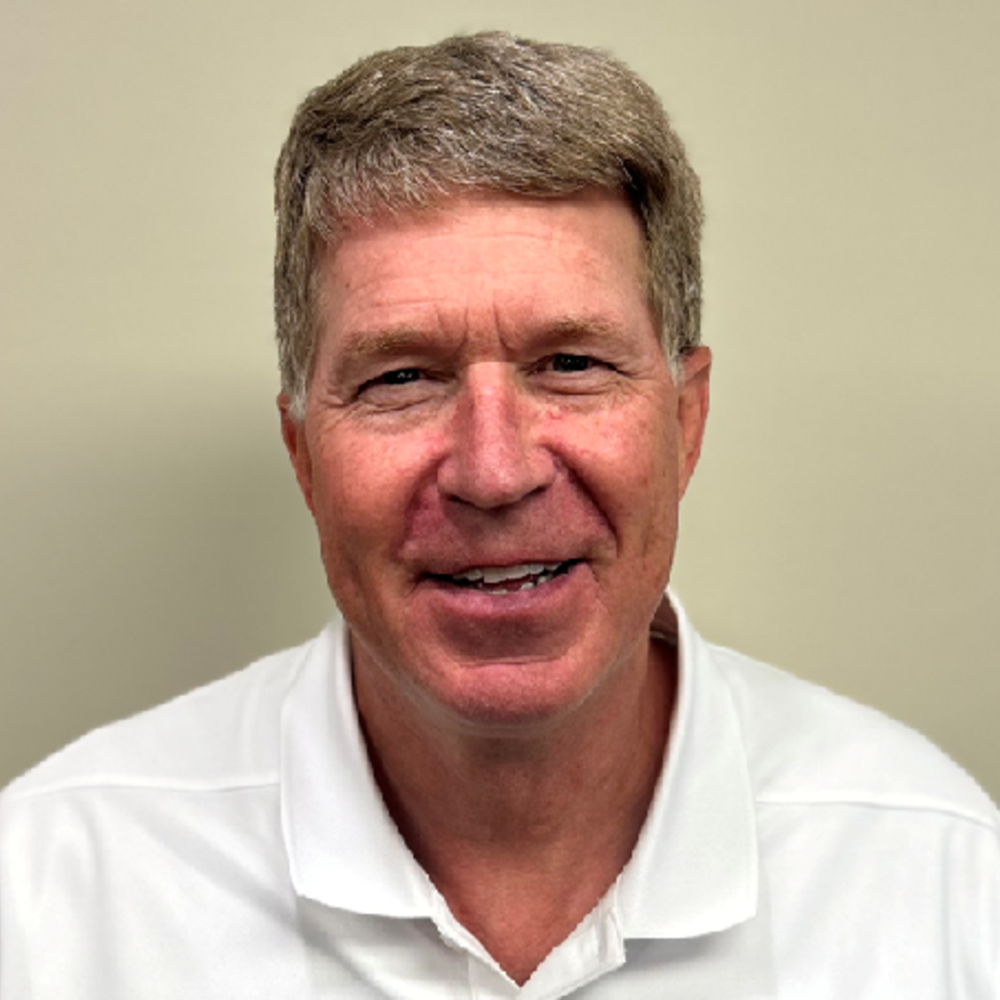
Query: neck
{"x": 523, "y": 835}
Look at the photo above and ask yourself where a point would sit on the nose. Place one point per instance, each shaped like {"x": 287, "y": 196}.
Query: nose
{"x": 494, "y": 458}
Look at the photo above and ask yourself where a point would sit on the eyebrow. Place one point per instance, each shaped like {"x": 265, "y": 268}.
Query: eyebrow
{"x": 374, "y": 344}
{"x": 583, "y": 327}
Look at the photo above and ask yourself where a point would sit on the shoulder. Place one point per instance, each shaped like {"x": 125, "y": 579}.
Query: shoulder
{"x": 806, "y": 745}
{"x": 225, "y": 734}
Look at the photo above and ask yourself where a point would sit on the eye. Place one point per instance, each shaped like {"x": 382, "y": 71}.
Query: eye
{"x": 399, "y": 388}
{"x": 390, "y": 380}
{"x": 568, "y": 374}
{"x": 569, "y": 363}
{"x": 398, "y": 376}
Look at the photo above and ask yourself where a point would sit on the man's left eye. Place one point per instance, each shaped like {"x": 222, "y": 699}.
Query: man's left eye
{"x": 568, "y": 363}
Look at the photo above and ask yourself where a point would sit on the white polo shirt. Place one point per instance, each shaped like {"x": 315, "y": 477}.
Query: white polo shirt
{"x": 233, "y": 844}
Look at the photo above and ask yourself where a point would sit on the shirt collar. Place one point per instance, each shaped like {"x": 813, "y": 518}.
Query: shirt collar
{"x": 694, "y": 868}
{"x": 344, "y": 849}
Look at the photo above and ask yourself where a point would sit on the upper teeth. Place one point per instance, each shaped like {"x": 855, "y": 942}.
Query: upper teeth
{"x": 497, "y": 574}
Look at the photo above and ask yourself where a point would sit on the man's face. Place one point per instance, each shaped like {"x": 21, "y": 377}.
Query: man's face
{"x": 493, "y": 450}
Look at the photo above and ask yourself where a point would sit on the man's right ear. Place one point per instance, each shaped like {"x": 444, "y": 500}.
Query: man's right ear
{"x": 293, "y": 433}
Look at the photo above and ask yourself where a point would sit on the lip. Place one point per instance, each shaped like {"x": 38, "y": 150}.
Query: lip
{"x": 526, "y": 629}
{"x": 473, "y": 603}
{"x": 497, "y": 576}
{"x": 440, "y": 568}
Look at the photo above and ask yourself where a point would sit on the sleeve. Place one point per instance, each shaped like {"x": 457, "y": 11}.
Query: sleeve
{"x": 970, "y": 917}
{"x": 13, "y": 980}
{"x": 46, "y": 936}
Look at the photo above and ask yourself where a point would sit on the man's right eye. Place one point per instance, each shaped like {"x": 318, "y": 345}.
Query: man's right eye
{"x": 391, "y": 379}
{"x": 398, "y": 388}
{"x": 398, "y": 376}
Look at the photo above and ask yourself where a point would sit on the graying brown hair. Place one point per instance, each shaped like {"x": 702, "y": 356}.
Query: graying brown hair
{"x": 403, "y": 129}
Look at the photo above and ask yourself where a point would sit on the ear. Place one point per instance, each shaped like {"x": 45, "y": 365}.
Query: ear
{"x": 293, "y": 433}
{"x": 692, "y": 412}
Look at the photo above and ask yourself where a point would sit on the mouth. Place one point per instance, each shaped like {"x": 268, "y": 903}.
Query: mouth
{"x": 506, "y": 579}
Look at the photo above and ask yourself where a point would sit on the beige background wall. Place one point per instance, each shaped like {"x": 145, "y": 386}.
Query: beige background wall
{"x": 844, "y": 523}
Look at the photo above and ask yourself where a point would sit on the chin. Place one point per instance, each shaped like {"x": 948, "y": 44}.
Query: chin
{"x": 512, "y": 698}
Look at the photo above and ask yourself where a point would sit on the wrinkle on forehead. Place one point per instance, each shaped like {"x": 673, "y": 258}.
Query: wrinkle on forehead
{"x": 432, "y": 280}
{"x": 508, "y": 216}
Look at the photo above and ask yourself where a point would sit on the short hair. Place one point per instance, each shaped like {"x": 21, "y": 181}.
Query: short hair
{"x": 406, "y": 128}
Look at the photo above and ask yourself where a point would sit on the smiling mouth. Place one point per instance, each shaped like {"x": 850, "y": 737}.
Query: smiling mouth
{"x": 507, "y": 579}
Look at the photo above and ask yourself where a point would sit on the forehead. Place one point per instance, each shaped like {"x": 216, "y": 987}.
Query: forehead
{"x": 487, "y": 260}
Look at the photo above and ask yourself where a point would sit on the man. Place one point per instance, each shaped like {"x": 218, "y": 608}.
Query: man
{"x": 511, "y": 768}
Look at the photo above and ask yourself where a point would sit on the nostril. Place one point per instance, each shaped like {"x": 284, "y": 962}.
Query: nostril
{"x": 490, "y": 478}
{"x": 493, "y": 457}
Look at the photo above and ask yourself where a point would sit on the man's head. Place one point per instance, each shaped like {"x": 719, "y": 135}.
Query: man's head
{"x": 482, "y": 416}
{"x": 407, "y": 128}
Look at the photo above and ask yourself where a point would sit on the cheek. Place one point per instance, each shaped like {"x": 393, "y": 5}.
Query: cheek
{"x": 631, "y": 465}
{"x": 663, "y": 489}
{"x": 353, "y": 507}
{"x": 364, "y": 489}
